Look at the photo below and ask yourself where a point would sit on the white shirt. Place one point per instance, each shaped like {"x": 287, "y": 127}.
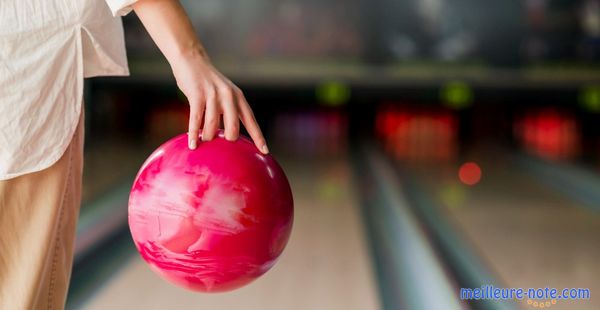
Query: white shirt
{"x": 47, "y": 47}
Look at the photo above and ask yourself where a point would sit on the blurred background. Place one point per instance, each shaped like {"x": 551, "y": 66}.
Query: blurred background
{"x": 430, "y": 145}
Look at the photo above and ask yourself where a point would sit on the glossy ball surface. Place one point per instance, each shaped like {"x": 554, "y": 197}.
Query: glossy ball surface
{"x": 211, "y": 219}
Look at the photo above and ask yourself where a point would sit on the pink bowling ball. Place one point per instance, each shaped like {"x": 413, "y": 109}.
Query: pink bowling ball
{"x": 211, "y": 219}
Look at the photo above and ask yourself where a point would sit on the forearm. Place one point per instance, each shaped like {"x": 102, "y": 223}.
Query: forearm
{"x": 170, "y": 28}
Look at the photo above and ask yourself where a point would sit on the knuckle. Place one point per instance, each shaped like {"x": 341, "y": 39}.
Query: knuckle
{"x": 228, "y": 96}
{"x": 238, "y": 91}
{"x": 196, "y": 92}
{"x": 195, "y": 117}
{"x": 210, "y": 91}
{"x": 244, "y": 108}
{"x": 234, "y": 109}
{"x": 222, "y": 87}
{"x": 213, "y": 122}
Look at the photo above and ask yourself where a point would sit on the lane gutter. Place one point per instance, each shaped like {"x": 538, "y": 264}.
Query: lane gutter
{"x": 410, "y": 275}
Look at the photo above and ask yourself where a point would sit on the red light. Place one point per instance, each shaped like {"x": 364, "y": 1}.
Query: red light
{"x": 549, "y": 134}
{"x": 469, "y": 173}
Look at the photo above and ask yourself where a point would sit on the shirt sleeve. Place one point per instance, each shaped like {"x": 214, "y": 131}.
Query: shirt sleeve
{"x": 120, "y": 7}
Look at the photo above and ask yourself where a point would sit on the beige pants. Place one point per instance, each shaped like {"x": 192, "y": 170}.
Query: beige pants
{"x": 38, "y": 215}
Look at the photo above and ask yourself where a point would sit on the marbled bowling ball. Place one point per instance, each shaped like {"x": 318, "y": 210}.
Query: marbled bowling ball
{"x": 211, "y": 219}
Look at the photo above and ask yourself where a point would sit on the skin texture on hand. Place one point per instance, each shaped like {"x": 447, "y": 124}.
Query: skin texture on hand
{"x": 210, "y": 94}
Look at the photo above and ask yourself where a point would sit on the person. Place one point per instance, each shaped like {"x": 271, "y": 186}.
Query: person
{"x": 47, "y": 48}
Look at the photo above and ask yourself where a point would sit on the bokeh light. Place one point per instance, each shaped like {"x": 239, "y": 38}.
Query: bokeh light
{"x": 333, "y": 93}
{"x": 469, "y": 173}
{"x": 453, "y": 195}
{"x": 418, "y": 134}
{"x": 549, "y": 133}
{"x": 457, "y": 95}
{"x": 590, "y": 98}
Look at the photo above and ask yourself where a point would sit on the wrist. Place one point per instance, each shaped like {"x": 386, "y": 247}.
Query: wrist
{"x": 192, "y": 51}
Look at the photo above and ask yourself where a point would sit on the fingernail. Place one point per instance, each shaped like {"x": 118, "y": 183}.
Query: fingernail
{"x": 265, "y": 149}
{"x": 193, "y": 144}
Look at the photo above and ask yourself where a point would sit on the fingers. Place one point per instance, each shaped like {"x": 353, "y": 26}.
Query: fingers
{"x": 230, "y": 114}
{"x": 247, "y": 117}
{"x": 196, "y": 113}
{"x": 229, "y": 101}
{"x": 211, "y": 116}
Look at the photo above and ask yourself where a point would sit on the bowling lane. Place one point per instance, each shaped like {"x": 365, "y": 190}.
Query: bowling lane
{"x": 528, "y": 234}
{"x": 325, "y": 266}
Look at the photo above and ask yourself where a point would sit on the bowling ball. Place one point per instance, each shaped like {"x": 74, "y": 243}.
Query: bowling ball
{"x": 211, "y": 219}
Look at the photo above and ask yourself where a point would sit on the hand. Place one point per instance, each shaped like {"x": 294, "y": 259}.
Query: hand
{"x": 210, "y": 95}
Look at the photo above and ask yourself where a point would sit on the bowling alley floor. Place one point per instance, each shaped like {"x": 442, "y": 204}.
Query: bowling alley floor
{"x": 326, "y": 264}
{"x": 527, "y": 234}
